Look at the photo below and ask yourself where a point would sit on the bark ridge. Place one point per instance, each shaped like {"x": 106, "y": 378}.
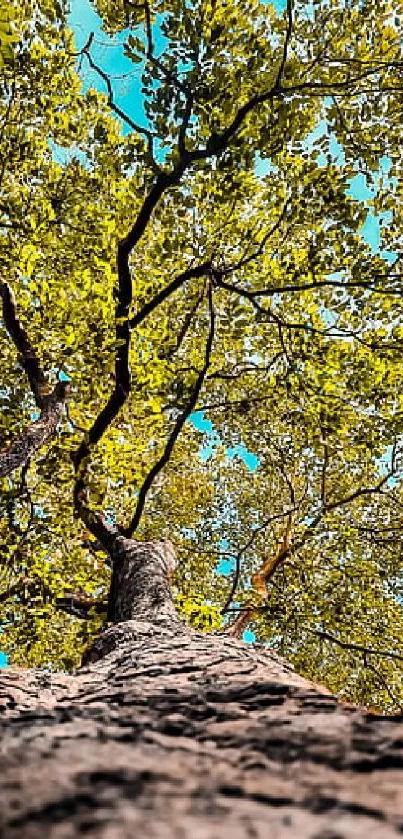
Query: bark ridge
{"x": 172, "y": 733}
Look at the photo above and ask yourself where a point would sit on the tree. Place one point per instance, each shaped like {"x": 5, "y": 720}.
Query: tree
{"x": 208, "y": 259}
{"x": 152, "y": 273}
{"x": 318, "y": 525}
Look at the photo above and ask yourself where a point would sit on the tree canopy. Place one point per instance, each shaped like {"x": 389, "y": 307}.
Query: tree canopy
{"x": 209, "y": 259}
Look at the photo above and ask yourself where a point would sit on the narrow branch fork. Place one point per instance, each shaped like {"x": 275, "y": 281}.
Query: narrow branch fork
{"x": 191, "y": 404}
{"x": 260, "y": 580}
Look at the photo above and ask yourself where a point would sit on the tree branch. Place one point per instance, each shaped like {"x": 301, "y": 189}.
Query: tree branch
{"x": 287, "y": 547}
{"x": 50, "y": 404}
{"x": 261, "y": 578}
{"x": 359, "y": 648}
{"x": 114, "y": 107}
{"x": 287, "y": 39}
{"x": 165, "y": 180}
{"x": 163, "y": 460}
{"x": 81, "y": 606}
{"x": 246, "y": 547}
{"x": 190, "y": 273}
{"x": 180, "y": 337}
{"x": 19, "y": 336}
{"x": 104, "y": 532}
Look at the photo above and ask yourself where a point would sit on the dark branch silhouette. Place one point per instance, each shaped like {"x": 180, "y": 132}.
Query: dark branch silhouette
{"x": 19, "y": 336}
{"x": 358, "y": 648}
{"x": 191, "y": 404}
{"x": 81, "y": 606}
{"x": 50, "y": 402}
{"x": 114, "y": 107}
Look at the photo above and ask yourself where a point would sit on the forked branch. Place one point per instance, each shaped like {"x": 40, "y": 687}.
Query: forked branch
{"x": 260, "y": 580}
{"x": 169, "y": 446}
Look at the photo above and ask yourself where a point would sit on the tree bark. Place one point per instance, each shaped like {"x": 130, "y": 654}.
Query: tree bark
{"x": 36, "y": 435}
{"x": 50, "y": 404}
{"x": 165, "y": 732}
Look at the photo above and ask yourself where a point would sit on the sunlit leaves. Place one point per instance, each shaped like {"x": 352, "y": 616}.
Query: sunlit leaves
{"x": 8, "y": 36}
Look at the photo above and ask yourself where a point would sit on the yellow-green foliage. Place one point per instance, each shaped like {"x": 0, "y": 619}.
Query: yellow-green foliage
{"x": 197, "y": 613}
{"x": 8, "y": 36}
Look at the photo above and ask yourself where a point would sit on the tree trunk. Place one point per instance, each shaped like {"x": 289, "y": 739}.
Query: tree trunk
{"x": 165, "y": 732}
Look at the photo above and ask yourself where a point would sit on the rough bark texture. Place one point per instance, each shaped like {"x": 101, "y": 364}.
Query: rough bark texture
{"x": 50, "y": 404}
{"x": 33, "y": 438}
{"x": 140, "y": 581}
{"x": 171, "y": 733}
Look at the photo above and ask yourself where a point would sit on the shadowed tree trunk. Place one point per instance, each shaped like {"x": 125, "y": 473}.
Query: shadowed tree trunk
{"x": 165, "y": 732}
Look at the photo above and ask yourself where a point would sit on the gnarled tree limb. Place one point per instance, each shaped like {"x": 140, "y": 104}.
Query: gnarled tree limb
{"x": 51, "y": 405}
{"x": 260, "y": 579}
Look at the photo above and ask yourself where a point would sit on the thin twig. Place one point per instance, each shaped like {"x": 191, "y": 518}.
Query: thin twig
{"x": 287, "y": 39}
{"x": 115, "y": 108}
{"x": 359, "y": 648}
